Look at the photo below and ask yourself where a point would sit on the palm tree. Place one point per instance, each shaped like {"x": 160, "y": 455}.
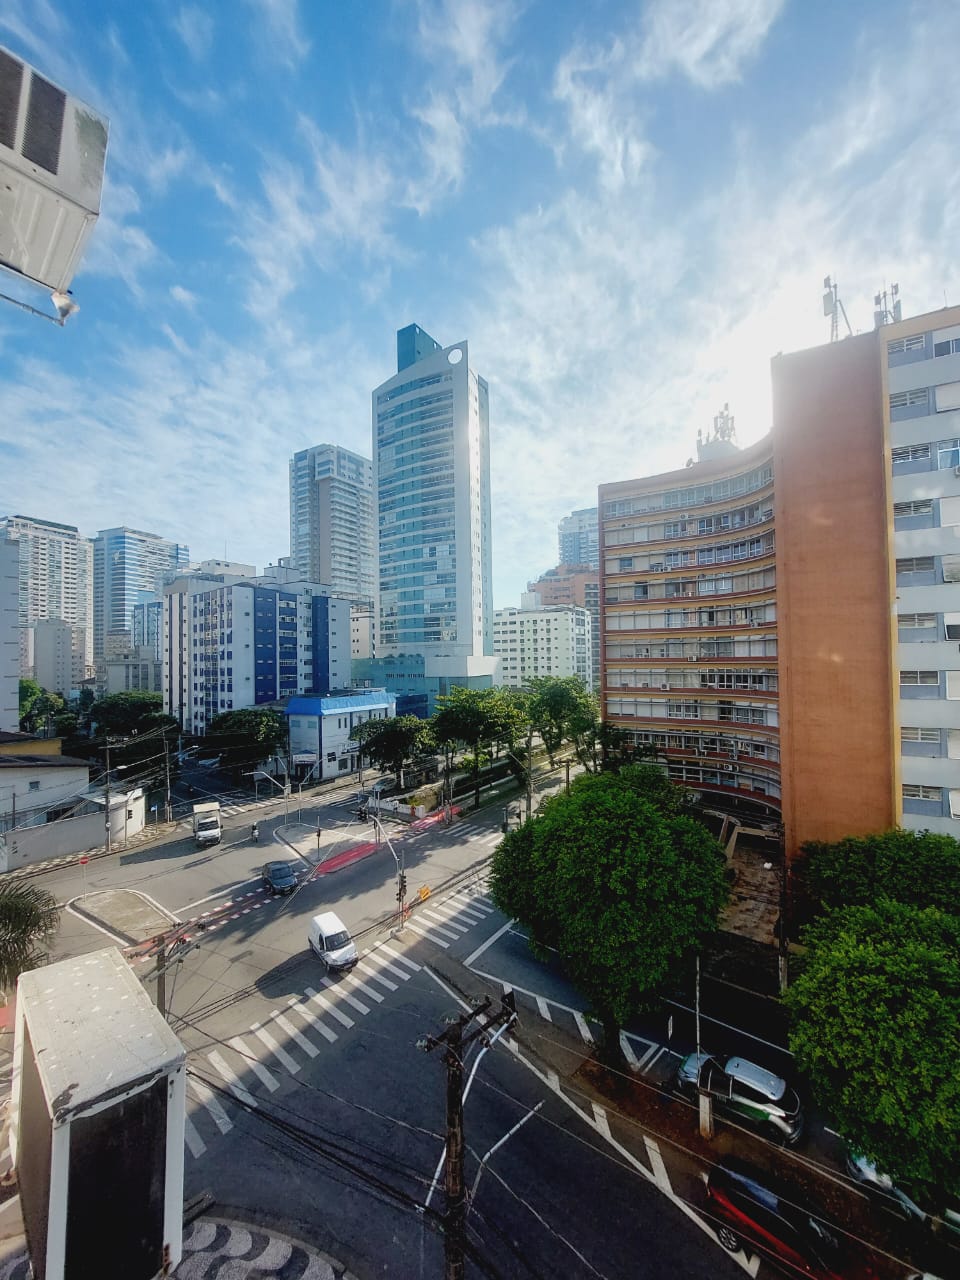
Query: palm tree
{"x": 28, "y": 917}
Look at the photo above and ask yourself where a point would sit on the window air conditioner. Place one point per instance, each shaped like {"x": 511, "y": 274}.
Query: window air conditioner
{"x": 52, "y": 154}
{"x": 664, "y": 686}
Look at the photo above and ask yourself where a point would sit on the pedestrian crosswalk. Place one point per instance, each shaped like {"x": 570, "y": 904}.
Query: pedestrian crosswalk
{"x": 248, "y": 1066}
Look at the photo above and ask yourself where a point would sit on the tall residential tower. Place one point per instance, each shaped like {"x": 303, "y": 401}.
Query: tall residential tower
{"x": 431, "y": 459}
{"x": 129, "y": 568}
{"x": 56, "y": 580}
{"x": 331, "y": 519}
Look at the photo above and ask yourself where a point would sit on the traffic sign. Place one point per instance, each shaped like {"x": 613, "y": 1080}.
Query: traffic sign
{"x": 84, "y": 860}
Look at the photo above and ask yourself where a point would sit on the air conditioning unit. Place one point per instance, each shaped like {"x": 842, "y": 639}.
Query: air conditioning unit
{"x": 644, "y": 686}
{"x": 664, "y": 686}
{"x": 52, "y": 153}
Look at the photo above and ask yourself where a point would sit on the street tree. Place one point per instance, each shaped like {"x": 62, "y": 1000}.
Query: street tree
{"x": 125, "y": 714}
{"x": 38, "y": 707}
{"x": 623, "y": 888}
{"x": 245, "y": 738}
{"x": 477, "y": 718}
{"x": 876, "y": 1028}
{"x": 391, "y": 743}
{"x": 29, "y": 916}
{"x": 917, "y": 867}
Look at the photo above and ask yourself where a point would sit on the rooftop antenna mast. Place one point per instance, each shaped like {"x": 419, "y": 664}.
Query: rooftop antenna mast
{"x": 834, "y": 308}
{"x": 886, "y": 307}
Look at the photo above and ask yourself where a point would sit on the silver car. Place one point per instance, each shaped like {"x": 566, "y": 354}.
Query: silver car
{"x": 748, "y": 1092}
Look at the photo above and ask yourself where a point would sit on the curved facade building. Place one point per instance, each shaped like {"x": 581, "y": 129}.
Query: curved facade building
{"x": 689, "y": 623}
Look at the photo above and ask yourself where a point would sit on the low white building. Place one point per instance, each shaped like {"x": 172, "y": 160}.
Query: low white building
{"x": 538, "y": 640}
{"x": 37, "y": 789}
{"x": 320, "y": 729}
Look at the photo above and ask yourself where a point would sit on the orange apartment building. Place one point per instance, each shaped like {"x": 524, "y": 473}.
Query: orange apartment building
{"x": 780, "y": 621}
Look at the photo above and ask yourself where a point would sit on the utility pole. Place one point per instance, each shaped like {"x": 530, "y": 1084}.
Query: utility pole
{"x": 168, "y": 812}
{"x": 161, "y": 972}
{"x": 529, "y": 772}
{"x": 107, "y": 797}
{"x": 455, "y": 1044}
{"x": 566, "y": 765}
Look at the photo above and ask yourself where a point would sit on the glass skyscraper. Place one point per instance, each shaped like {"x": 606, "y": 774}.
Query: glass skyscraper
{"x": 129, "y": 568}
{"x": 431, "y": 460}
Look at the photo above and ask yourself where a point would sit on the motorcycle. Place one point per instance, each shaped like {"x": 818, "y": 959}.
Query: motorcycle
{"x": 255, "y": 833}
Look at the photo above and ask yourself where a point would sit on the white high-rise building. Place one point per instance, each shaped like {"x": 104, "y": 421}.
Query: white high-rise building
{"x": 578, "y": 538}
{"x": 431, "y": 461}
{"x": 331, "y": 519}
{"x": 130, "y": 567}
{"x": 58, "y": 657}
{"x": 56, "y": 580}
{"x": 9, "y": 634}
{"x": 543, "y": 640}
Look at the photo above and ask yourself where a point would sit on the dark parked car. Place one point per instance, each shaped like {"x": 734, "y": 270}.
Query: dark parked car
{"x": 279, "y": 877}
{"x": 750, "y": 1093}
{"x": 749, "y": 1209}
{"x": 898, "y": 1198}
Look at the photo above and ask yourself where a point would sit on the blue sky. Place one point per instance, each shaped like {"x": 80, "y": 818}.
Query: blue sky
{"x": 626, "y": 208}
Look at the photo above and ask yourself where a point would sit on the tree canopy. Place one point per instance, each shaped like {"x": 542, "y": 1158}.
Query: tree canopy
{"x": 477, "y": 717}
{"x": 876, "y": 1028}
{"x": 391, "y": 743}
{"x": 622, "y": 886}
{"x": 137, "y": 711}
{"x": 37, "y": 706}
{"x": 246, "y": 737}
{"x": 28, "y": 917}
{"x": 919, "y": 867}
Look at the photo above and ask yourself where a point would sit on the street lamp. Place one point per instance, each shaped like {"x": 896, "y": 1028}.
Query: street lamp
{"x": 283, "y": 786}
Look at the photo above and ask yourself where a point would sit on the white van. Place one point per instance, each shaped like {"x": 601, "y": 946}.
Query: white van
{"x": 330, "y": 940}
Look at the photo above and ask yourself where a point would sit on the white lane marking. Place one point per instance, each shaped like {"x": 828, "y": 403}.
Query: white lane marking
{"x": 345, "y": 995}
{"x": 489, "y": 943}
{"x": 371, "y": 971}
{"x": 582, "y": 1027}
{"x": 551, "y": 1079}
{"x": 367, "y": 990}
{"x": 660, "y": 1175}
{"x": 462, "y": 912}
{"x": 425, "y": 933}
{"x": 192, "y": 1138}
{"x": 381, "y": 962}
{"x": 601, "y": 1121}
{"x": 648, "y": 1064}
{"x": 544, "y": 1009}
{"x": 452, "y": 934}
{"x": 262, "y": 1034}
{"x": 311, "y": 1021}
{"x": 223, "y": 893}
{"x": 650, "y": 1050}
{"x": 254, "y": 1064}
{"x": 399, "y": 956}
{"x": 233, "y": 1084}
{"x": 444, "y": 923}
{"x": 627, "y": 1048}
{"x": 449, "y": 990}
{"x": 329, "y": 1007}
{"x": 450, "y": 911}
{"x": 209, "y": 1099}
{"x": 284, "y": 1023}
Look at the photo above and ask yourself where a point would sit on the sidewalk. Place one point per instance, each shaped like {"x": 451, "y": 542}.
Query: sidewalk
{"x": 212, "y": 1246}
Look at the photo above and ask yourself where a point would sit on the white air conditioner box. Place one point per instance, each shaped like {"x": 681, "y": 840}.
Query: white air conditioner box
{"x": 52, "y": 153}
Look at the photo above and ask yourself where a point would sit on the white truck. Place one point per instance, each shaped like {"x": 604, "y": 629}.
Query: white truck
{"x": 206, "y": 822}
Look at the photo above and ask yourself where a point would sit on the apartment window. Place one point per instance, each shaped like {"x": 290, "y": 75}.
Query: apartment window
{"x": 626, "y": 564}
{"x": 917, "y": 621}
{"x": 911, "y": 453}
{"x": 950, "y": 347}
{"x": 915, "y": 564}
{"x": 919, "y": 397}
{"x": 951, "y": 626}
{"x": 950, "y": 565}
{"x": 913, "y": 343}
{"x": 34, "y": 786}
{"x": 948, "y": 454}
{"x": 924, "y": 507}
{"x": 920, "y": 677}
{"x": 913, "y": 791}
{"x": 915, "y": 733}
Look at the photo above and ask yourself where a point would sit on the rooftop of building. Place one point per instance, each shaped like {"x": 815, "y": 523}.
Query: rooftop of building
{"x": 42, "y": 762}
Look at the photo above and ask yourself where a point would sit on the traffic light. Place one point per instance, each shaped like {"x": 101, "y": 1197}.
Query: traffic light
{"x": 401, "y": 886}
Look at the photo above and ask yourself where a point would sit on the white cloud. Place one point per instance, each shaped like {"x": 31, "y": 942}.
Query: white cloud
{"x": 283, "y": 39}
{"x": 183, "y": 296}
{"x": 194, "y": 26}
{"x": 709, "y": 41}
